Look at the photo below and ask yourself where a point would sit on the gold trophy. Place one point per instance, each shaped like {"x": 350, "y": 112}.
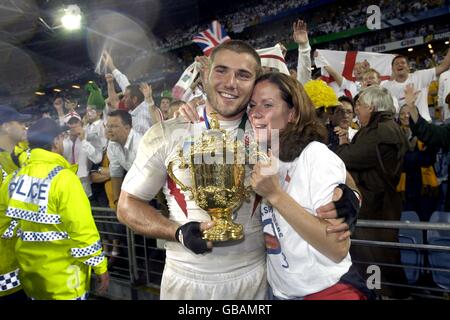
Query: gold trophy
{"x": 217, "y": 175}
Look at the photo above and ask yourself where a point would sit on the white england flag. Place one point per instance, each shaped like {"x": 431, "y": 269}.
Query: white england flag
{"x": 273, "y": 58}
{"x": 344, "y": 62}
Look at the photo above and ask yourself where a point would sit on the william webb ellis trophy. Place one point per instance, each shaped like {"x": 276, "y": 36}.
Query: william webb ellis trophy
{"x": 216, "y": 161}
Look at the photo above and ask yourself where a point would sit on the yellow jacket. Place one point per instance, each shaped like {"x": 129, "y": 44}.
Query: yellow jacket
{"x": 9, "y": 281}
{"x": 58, "y": 241}
{"x": 8, "y": 164}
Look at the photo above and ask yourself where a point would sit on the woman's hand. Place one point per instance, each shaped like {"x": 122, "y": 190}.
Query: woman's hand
{"x": 265, "y": 181}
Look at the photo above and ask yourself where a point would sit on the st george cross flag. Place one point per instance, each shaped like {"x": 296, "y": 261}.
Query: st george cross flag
{"x": 211, "y": 37}
{"x": 344, "y": 61}
{"x": 273, "y": 58}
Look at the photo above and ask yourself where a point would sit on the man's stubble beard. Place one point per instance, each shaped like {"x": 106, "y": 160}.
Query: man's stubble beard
{"x": 223, "y": 110}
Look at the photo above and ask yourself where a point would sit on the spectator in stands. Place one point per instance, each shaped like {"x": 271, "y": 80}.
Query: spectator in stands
{"x": 164, "y": 104}
{"x": 113, "y": 99}
{"x": 420, "y": 79}
{"x": 300, "y": 36}
{"x": 325, "y": 101}
{"x": 431, "y": 135}
{"x": 122, "y": 147}
{"x": 372, "y": 77}
{"x": 303, "y": 262}
{"x": 343, "y": 84}
{"x": 78, "y": 150}
{"x": 374, "y": 159}
{"x": 293, "y": 73}
{"x": 95, "y": 134}
{"x": 57, "y": 247}
{"x": 155, "y": 113}
{"x": 95, "y": 128}
{"x": 443, "y": 95}
{"x": 418, "y": 182}
{"x": 67, "y": 104}
{"x": 347, "y": 111}
{"x": 133, "y": 99}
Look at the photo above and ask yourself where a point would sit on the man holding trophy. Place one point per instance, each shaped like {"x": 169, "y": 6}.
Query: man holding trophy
{"x": 223, "y": 259}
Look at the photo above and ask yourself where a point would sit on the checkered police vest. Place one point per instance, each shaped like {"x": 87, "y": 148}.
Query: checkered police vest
{"x": 11, "y": 280}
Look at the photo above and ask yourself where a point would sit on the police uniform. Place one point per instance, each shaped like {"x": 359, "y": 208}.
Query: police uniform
{"x": 58, "y": 243}
{"x": 9, "y": 270}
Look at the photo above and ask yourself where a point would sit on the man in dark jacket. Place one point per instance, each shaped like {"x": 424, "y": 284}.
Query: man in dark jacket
{"x": 430, "y": 134}
{"x": 374, "y": 159}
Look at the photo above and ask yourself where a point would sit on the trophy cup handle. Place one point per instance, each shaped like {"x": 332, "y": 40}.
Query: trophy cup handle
{"x": 172, "y": 176}
{"x": 264, "y": 157}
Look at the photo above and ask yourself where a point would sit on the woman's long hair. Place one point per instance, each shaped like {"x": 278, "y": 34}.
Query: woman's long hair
{"x": 304, "y": 127}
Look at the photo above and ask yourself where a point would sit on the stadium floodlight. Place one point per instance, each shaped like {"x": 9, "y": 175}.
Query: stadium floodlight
{"x": 72, "y": 17}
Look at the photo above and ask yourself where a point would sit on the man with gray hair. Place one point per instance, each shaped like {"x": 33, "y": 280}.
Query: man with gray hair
{"x": 374, "y": 159}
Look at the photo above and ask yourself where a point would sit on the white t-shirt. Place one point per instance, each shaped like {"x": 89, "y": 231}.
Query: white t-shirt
{"x": 158, "y": 148}
{"x": 141, "y": 119}
{"x": 351, "y": 133}
{"x": 294, "y": 267}
{"x": 421, "y": 80}
{"x": 121, "y": 158}
{"x": 444, "y": 90}
{"x": 84, "y": 154}
{"x": 95, "y": 134}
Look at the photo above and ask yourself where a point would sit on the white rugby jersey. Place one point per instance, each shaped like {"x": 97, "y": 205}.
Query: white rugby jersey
{"x": 148, "y": 174}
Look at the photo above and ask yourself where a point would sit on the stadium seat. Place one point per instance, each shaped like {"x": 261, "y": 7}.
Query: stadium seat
{"x": 411, "y": 257}
{"x": 440, "y": 259}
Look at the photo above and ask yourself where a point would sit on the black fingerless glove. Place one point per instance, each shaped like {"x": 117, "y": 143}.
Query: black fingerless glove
{"x": 190, "y": 236}
{"x": 347, "y": 206}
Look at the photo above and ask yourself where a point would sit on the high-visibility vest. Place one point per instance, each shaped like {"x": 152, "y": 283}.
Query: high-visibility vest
{"x": 58, "y": 242}
{"x": 9, "y": 270}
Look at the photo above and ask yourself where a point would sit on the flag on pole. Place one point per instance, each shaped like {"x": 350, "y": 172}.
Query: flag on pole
{"x": 211, "y": 37}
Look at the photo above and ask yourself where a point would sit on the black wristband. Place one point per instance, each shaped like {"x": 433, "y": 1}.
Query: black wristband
{"x": 190, "y": 236}
{"x": 348, "y": 206}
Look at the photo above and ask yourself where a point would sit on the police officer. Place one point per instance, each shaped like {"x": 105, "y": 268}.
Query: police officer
{"x": 12, "y": 148}
{"x": 58, "y": 243}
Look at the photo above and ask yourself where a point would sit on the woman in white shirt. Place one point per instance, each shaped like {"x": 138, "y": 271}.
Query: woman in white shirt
{"x": 303, "y": 261}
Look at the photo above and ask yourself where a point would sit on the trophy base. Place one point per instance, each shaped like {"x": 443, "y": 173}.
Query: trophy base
{"x": 224, "y": 229}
